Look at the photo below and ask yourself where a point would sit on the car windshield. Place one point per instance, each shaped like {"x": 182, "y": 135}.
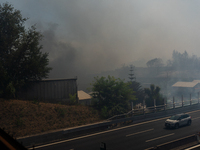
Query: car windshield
{"x": 174, "y": 117}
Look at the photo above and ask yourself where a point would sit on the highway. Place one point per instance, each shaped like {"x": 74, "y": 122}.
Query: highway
{"x": 139, "y": 136}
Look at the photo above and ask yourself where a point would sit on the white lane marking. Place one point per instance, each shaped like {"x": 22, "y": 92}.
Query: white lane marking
{"x": 193, "y": 111}
{"x": 175, "y": 140}
{"x": 195, "y": 118}
{"x": 105, "y": 131}
{"x": 98, "y": 133}
{"x": 193, "y": 147}
{"x": 139, "y": 132}
{"x": 170, "y": 142}
{"x": 149, "y": 148}
{"x": 160, "y": 137}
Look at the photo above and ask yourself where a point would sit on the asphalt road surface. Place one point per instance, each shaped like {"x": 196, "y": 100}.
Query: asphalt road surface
{"x": 140, "y": 136}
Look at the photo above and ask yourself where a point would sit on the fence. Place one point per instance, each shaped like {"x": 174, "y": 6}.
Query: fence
{"x": 168, "y": 104}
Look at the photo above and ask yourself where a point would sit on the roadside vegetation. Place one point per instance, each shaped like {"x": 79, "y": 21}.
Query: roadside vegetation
{"x": 111, "y": 96}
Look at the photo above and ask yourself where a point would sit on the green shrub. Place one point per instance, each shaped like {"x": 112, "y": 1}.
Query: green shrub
{"x": 116, "y": 110}
{"x": 104, "y": 112}
{"x": 61, "y": 111}
{"x": 19, "y": 122}
{"x": 73, "y": 99}
{"x": 10, "y": 90}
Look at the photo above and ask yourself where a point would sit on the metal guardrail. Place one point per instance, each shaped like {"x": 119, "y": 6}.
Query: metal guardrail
{"x": 171, "y": 104}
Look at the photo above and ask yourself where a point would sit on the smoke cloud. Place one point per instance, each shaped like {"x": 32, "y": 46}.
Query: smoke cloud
{"x": 93, "y": 36}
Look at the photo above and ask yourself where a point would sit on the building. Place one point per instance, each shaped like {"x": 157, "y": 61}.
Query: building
{"x": 186, "y": 88}
{"x": 84, "y": 98}
{"x": 49, "y": 90}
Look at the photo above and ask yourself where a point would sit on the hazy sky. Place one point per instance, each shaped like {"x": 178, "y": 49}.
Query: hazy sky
{"x": 98, "y": 35}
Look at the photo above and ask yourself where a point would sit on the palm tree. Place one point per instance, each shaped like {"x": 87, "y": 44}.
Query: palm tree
{"x": 153, "y": 93}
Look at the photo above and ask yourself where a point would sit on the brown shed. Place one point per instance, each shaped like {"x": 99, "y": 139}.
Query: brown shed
{"x": 50, "y": 90}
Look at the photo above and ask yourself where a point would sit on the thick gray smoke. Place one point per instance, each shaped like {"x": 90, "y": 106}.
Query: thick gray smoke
{"x": 62, "y": 55}
{"x": 87, "y": 36}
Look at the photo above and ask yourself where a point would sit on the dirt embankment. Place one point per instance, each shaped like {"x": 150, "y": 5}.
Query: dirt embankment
{"x": 20, "y": 118}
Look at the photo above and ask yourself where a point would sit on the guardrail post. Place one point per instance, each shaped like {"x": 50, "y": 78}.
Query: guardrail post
{"x": 164, "y": 104}
{"x": 173, "y": 103}
{"x": 102, "y": 146}
{"x": 154, "y": 105}
{"x": 132, "y": 105}
{"x": 190, "y": 100}
{"x": 198, "y": 139}
{"x": 182, "y": 100}
{"x": 143, "y": 107}
{"x": 198, "y": 97}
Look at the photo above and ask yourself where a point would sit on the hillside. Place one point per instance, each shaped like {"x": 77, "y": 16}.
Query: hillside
{"x": 20, "y": 118}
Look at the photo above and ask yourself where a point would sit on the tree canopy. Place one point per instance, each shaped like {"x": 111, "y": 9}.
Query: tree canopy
{"x": 184, "y": 61}
{"x": 112, "y": 95}
{"x": 21, "y": 59}
{"x": 156, "y": 62}
{"x": 155, "y": 66}
{"x": 153, "y": 93}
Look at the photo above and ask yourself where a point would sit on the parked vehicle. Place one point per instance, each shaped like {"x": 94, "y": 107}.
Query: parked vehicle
{"x": 178, "y": 120}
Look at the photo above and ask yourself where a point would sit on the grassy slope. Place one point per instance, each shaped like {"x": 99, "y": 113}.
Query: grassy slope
{"x": 21, "y": 118}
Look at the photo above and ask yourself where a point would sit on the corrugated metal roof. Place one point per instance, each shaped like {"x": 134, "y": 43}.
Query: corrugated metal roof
{"x": 82, "y": 95}
{"x": 61, "y": 79}
{"x": 185, "y": 84}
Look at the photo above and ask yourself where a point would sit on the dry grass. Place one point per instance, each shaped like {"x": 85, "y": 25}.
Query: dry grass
{"x": 21, "y": 118}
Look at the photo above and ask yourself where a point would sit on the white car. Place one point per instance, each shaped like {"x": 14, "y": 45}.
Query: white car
{"x": 178, "y": 120}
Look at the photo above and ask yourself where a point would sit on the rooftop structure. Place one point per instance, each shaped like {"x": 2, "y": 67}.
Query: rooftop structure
{"x": 185, "y": 84}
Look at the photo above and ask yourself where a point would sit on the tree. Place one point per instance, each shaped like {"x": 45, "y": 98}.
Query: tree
{"x": 182, "y": 62}
{"x": 112, "y": 95}
{"x": 21, "y": 59}
{"x": 138, "y": 92}
{"x": 156, "y": 62}
{"x": 136, "y": 86}
{"x": 153, "y": 93}
{"x": 154, "y": 66}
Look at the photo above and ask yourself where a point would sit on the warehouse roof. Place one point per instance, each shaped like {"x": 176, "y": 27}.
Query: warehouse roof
{"x": 185, "y": 84}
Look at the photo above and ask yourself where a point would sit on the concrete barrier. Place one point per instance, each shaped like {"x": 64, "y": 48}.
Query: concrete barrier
{"x": 178, "y": 144}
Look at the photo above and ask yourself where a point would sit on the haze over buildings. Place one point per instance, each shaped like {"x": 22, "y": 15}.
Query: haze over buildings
{"x": 88, "y": 36}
